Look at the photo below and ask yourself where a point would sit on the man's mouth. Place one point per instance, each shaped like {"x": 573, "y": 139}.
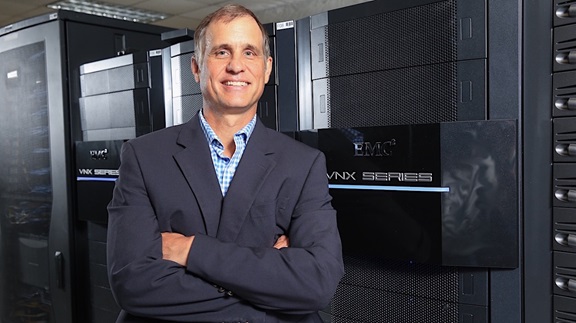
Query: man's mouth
{"x": 235, "y": 83}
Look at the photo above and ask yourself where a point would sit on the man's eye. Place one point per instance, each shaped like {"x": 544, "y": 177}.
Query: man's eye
{"x": 221, "y": 53}
{"x": 250, "y": 53}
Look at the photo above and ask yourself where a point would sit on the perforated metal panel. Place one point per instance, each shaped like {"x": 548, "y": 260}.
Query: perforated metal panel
{"x": 393, "y": 68}
{"x": 378, "y": 290}
{"x": 185, "y": 107}
{"x": 183, "y": 82}
{"x": 186, "y": 97}
{"x": 411, "y": 37}
{"x": 416, "y": 95}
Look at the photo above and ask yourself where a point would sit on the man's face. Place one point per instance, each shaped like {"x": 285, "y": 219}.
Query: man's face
{"x": 233, "y": 71}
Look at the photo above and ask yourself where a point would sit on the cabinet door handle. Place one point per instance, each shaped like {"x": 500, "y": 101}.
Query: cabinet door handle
{"x": 59, "y": 264}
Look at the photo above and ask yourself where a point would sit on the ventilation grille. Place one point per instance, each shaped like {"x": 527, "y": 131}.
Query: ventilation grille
{"x": 393, "y": 68}
{"x": 410, "y": 37}
{"x": 378, "y": 290}
{"x": 417, "y": 95}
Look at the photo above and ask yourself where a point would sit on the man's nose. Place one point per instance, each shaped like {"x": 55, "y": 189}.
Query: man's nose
{"x": 236, "y": 64}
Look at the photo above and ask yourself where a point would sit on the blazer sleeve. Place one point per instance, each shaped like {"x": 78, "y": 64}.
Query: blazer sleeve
{"x": 142, "y": 282}
{"x": 299, "y": 279}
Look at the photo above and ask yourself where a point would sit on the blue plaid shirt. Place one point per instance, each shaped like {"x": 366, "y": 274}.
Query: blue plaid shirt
{"x": 225, "y": 167}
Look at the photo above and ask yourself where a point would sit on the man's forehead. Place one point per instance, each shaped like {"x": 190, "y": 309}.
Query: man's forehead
{"x": 226, "y": 21}
{"x": 214, "y": 36}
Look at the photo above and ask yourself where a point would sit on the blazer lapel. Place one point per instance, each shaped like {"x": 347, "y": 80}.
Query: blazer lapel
{"x": 254, "y": 168}
{"x": 197, "y": 167}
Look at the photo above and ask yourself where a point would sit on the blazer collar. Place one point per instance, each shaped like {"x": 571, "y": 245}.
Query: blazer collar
{"x": 254, "y": 167}
{"x": 197, "y": 167}
{"x": 224, "y": 219}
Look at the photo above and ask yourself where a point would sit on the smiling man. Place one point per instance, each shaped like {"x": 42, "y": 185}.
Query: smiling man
{"x": 222, "y": 219}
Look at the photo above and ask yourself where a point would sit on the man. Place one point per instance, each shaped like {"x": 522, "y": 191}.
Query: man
{"x": 222, "y": 219}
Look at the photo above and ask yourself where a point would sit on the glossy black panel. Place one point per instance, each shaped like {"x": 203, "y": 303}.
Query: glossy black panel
{"x": 383, "y": 219}
{"x": 480, "y": 214}
{"x": 97, "y": 165}
{"x": 435, "y": 193}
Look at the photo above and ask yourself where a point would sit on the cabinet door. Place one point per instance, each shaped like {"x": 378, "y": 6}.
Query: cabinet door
{"x": 34, "y": 239}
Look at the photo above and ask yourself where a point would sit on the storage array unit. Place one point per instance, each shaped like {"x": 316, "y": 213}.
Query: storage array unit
{"x": 399, "y": 63}
{"x": 564, "y": 167}
{"x": 182, "y": 97}
{"x": 376, "y": 73}
{"x": 423, "y": 211}
{"x": 391, "y": 64}
{"x": 122, "y": 97}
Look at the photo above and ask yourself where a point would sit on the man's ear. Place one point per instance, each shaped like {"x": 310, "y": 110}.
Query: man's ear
{"x": 268, "y": 68}
{"x": 195, "y": 69}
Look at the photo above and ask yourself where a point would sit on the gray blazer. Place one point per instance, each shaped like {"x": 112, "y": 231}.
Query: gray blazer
{"x": 167, "y": 183}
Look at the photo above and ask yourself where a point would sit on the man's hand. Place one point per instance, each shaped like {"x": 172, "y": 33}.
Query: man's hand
{"x": 282, "y": 242}
{"x": 175, "y": 247}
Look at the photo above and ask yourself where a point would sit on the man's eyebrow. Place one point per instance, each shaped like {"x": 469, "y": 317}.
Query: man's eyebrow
{"x": 220, "y": 46}
{"x": 254, "y": 48}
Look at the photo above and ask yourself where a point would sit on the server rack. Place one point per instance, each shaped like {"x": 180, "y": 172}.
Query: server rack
{"x": 425, "y": 61}
{"x": 563, "y": 116}
{"x": 39, "y": 102}
{"x": 121, "y": 98}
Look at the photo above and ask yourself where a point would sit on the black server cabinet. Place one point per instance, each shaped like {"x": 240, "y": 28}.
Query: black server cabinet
{"x": 414, "y": 63}
{"x": 398, "y": 63}
{"x": 45, "y": 277}
{"x": 121, "y": 98}
{"x": 563, "y": 238}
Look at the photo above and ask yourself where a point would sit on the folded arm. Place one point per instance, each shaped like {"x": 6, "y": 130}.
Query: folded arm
{"x": 296, "y": 280}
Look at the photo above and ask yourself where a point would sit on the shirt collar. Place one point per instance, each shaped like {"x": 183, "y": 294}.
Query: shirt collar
{"x": 245, "y": 132}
